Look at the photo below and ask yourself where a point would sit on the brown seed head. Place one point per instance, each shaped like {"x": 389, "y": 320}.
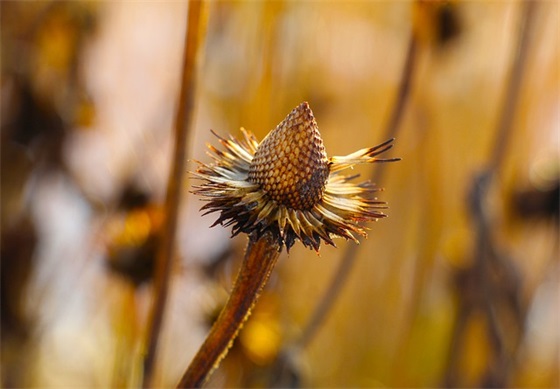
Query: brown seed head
{"x": 291, "y": 164}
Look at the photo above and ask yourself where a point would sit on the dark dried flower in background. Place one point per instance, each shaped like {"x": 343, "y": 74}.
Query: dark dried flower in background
{"x": 287, "y": 184}
{"x": 133, "y": 234}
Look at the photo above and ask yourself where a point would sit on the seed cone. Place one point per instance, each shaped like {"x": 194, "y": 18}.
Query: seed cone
{"x": 288, "y": 186}
{"x": 291, "y": 164}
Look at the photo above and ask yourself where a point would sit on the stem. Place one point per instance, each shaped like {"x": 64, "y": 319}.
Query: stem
{"x": 260, "y": 258}
{"x": 183, "y": 122}
{"x": 349, "y": 257}
{"x": 513, "y": 87}
{"x": 495, "y": 294}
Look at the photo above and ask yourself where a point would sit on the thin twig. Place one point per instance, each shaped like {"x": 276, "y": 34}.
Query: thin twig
{"x": 349, "y": 257}
{"x": 260, "y": 259}
{"x": 183, "y": 122}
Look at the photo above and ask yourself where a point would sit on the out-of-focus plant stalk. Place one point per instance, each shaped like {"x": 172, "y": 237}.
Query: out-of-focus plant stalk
{"x": 260, "y": 259}
{"x": 195, "y": 31}
{"x": 494, "y": 296}
{"x": 513, "y": 87}
{"x": 348, "y": 258}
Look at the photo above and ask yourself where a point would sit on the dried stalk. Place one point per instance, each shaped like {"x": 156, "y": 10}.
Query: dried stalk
{"x": 513, "y": 87}
{"x": 260, "y": 259}
{"x": 493, "y": 294}
{"x": 348, "y": 258}
{"x": 183, "y": 122}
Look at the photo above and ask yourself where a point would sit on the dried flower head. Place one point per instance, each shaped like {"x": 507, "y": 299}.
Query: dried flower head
{"x": 287, "y": 184}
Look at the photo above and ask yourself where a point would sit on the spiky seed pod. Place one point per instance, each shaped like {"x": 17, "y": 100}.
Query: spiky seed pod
{"x": 286, "y": 184}
{"x": 291, "y": 164}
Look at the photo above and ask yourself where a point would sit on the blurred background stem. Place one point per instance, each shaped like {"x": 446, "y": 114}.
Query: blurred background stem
{"x": 492, "y": 284}
{"x": 347, "y": 261}
{"x": 194, "y": 34}
{"x": 513, "y": 87}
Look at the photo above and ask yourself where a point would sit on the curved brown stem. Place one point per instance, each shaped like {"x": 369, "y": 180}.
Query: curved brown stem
{"x": 260, "y": 258}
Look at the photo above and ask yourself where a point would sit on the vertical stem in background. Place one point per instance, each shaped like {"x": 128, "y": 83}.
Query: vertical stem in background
{"x": 494, "y": 295}
{"x": 349, "y": 256}
{"x": 260, "y": 259}
{"x": 183, "y": 122}
{"x": 513, "y": 87}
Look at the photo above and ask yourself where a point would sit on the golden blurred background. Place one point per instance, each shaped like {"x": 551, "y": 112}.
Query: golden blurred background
{"x": 458, "y": 287}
